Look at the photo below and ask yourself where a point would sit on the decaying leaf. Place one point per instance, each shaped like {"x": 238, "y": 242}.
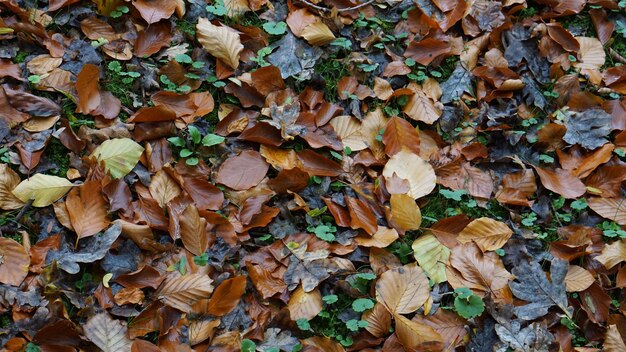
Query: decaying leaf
{"x": 182, "y": 291}
{"x": 220, "y": 41}
{"x": 108, "y": 334}
{"x": 403, "y": 290}
{"x": 418, "y": 172}
{"x": 14, "y": 262}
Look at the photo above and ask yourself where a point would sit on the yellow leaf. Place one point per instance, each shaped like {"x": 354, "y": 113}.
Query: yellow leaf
{"x": 383, "y": 237}
{"x": 43, "y": 189}
{"x": 409, "y": 166}
{"x": 318, "y": 33}
{"x": 404, "y": 212}
{"x": 403, "y": 290}
{"x": 222, "y": 42}
{"x": 119, "y": 155}
{"x": 9, "y": 179}
{"x": 613, "y": 254}
{"x": 432, "y": 257}
{"x": 14, "y": 262}
{"x": 487, "y": 233}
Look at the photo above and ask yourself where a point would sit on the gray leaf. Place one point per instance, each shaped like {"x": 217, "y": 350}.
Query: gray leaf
{"x": 588, "y": 128}
{"x": 532, "y": 92}
{"x": 276, "y": 339}
{"x": 483, "y": 339}
{"x": 460, "y": 81}
{"x": 533, "y": 286}
{"x": 518, "y": 46}
{"x": 292, "y": 56}
{"x": 533, "y": 338}
{"x": 90, "y": 249}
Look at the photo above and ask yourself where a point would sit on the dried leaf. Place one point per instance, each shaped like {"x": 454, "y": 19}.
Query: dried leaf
{"x": 415, "y": 336}
{"x": 14, "y": 262}
{"x": 403, "y": 290}
{"x": 305, "y": 305}
{"x": 613, "y": 254}
{"x": 481, "y": 272}
{"x": 578, "y": 279}
{"x": 318, "y": 33}
{"x": 221, "y": 42}
{"x": 398, "y": 135}
{"x": 613, "y": 209}
{"x": 108, "y": 334}
{"x": 227, "y": 296}
{"x": 9, "y": 179}
{"x": 418, "y": 172}
{"x": 87, "y": 209}
{"x": 243, "y": 171}
{"x": 404, "y": 212}
{"x": 193, "y": 231}
{"x": 487, "y": 233}
{"x": 181, "y": 292}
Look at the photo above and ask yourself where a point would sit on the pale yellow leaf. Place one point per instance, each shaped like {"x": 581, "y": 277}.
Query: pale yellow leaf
{"x": 181, "y": 292}
{"x": 201, "y": 330}
{"x": 411, "y": 167}
{"x": 220, "y": 41}
{"x": 578, "y": 279}
{"x": 487, "y": 233}
{"x": 348, "y": 129}
{"x": 591, "y": 55}
{"x": 108, "y": 334}
{"x": 9, "y": 179}
{"x": 432, "y": 256}
{"x": 403, "y": 290}
{"x": 318, "y": 33}
{"x": 119, "y": 155}
{"x": 404, "y": 212}
{"x": 43, "y": 189}
{"x": 613, "y": 254}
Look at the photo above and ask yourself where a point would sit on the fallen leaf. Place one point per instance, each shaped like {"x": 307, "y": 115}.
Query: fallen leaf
{"x": 403, "y": 290}
{"x": 193, "y": 231}
{"x": 404, "y": 212}
{"x": 181, "y": 292}
{"x": 163, "y": 188}
{"x": 481, "y": 272}
{"x": 226, "y": 296}
{"x": 108, "y": 334}
{"x": 578, "y": 279}
{"x": 243, "y": 171}
{"x": 612, "y": 254}
{"x": 9, "y": 179}
{"x": 561, "y": 182}
{"x": 119, "y": 155}
{"x": 614, "y": 342}
{"x": 378, "y": 320}
{"x": 43, "y": 189}
{"x": 87, "y": 209}
{"x": 318, "y": 33}
{"x": 221, "y": 42}
{"x": 88, "y": 89}
{"x": 418, "y": 172}
{"x": 613, "y": 209}
{"x": 487, "y": 233}
{"x": 304, "y": 305}
{"x": 14, "y": 262}
{"x": 432, "y": 256}
{"x": 415, "y": 336}
{"x": 398, "y": 135}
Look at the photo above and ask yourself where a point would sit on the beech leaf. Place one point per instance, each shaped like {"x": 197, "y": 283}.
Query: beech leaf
{"x": 119, "y": 156}
{"x": 222, "y": 42}
{"x": 43, "y": 189}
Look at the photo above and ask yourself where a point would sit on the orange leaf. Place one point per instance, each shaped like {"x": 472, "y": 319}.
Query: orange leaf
{"x": 193, "y": 231}
{"x": 87, "y": 209}
{"x": 14, "y": 262}
{"x": 87, "y": 89}
{"x": 227, "y": 296}
{"x": 400, "y": 134}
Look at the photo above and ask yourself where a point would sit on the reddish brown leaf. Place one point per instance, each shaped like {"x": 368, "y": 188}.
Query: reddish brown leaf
{"x": 361, "y": 216}
{"x": 243, "y": 171}
{"x": 152, "y": 11}
{"x": 227, "y": 296}
{"x": 318, "y": 165}
{"x": 400, "y": 134}
{"x": 87, "y": 89}
{"x": 561, "y": 182}
{"x": 87, "y": 210}
{"x": 153, "y": 38}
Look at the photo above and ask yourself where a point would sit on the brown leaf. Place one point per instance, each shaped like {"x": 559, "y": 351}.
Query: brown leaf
{"x": 411, "y": 167}
{"x": 420, "y": 107}
{"x": 469, "y": 267}
{"x": 487, "y": 233}
{"x": 383, "y": 238}
{"x": 243, "y": 171}
{"x": 404, "y": 212}
{"x": 163, "y": 188}
{"x": 378, "y": 320}
{"x": 87, "y": 89}
{"x": 9, "y": 179}
{"x": 361, "y": 216}
{"x": 415, "y": 336}
{"x": 613, "y": 254}
{"x": 318, "y": 165}
{"x": 222, "y": 42}
{"x": 400, "y": 134}
{"x": 578, "y": 279}
{"x": 181, "y": 292}
{"x": 613, "y": 209}
{"x": 264, "y": 282}
{"x": 108, "y": 334}
{"x": 87, "y": 209}
{"x": 304, "y": 305}
{"x": 153, "y": 38}
{"x": 14, "y": 262}
{"x": 152, "y": 11}
{"x": 561, "y": 182}
{"x": 450, "y": 326}
{"x": 146, "y": 276}
{"x": 403, "y": 290}
{"x": 614, "y": 342}
{"x": 193, "y": 231}
{"x": 227, "y": 296}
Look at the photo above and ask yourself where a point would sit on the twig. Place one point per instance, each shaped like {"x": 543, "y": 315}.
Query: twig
{"x": 616, "y": 56}
{"x": 345, "y": 9}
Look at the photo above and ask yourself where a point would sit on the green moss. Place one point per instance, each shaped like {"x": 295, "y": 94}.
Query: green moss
{"x": 528, "y": 12}
{"x": 5, "y": 321}
{"x": 20, "y": 57}
{"x": 187, "y": 28}
{"x": 58, "y": 154}
{"x": 580, "y": 24}
{"x": 331, "y": 70}
{"x": 447, "y": 67}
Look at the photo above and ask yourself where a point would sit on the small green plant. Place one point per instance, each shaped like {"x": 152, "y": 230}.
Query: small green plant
{"x": 201, "y": 260}
{"x": 611, "y": 229}
{"x": 343, "y": 43}
{"x": 362, "y": 304}
{"x": 275, "y": 28}
{"x": 189, "y": 147}
{"x": 4, "y": 155}
{"x": 303, "y": 324}
{"x": 119, "y": 11}
{"x": 31, "y": 347}
{"x": 115, "y": 68}
{"x": 218, "y": 8}
{"x": 356, "y": 325}
{"x": 324, "y": 231}
{"x": 260, "y": 56}
{"x": 467, "y": 304}
{"x": 173, "y": 87}
{"x": 248, "y": 345}
{"x": 99, "y": 42}
{"x": 180, "y": 266}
